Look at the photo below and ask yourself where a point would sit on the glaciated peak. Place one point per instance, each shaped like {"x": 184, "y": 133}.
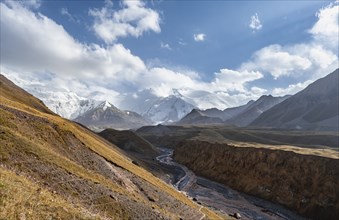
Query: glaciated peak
{"x": 104, "y": 105}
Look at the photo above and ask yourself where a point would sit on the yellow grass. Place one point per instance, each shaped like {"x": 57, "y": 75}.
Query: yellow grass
{"x": 21, "y": 198}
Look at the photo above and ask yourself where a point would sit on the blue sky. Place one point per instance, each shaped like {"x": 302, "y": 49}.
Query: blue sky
{"x": 239, "y": 49}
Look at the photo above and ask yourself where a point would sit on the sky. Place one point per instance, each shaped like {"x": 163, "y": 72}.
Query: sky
{"x": 236, "y": 50}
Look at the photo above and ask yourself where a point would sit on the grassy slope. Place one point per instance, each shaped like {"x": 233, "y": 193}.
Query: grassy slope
{"x": 34, "y": 143}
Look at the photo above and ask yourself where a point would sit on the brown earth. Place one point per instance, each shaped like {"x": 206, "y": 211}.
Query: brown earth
{"x": 306, "y": 183}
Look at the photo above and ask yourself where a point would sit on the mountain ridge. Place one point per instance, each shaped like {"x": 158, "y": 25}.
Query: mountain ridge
{"x": 315, "y": 107}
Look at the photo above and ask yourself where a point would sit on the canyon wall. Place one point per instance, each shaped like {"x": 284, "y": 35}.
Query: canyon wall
{"x": 307, "y": 184}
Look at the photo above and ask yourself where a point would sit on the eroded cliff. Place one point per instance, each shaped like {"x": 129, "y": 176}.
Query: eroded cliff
{"x": 306, "y": 183}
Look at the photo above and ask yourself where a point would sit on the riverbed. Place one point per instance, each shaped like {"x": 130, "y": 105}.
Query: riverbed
{"x": 221, "y": 198}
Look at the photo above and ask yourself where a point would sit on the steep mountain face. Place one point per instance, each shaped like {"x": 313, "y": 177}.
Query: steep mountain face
{"x": 106, "y": 115}
{"x": 252, "y": 111}
{"x": 314, "y": 108}
{"x": 197, "y": 117}
{"x": 59, "y": 170}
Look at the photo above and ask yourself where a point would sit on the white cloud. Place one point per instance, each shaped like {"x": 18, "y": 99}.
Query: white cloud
{"x": 132, "y": 20}
{"x": 182, "y": 42}
{"x": 34, "y": 4}
{"x": 258, "y": 91}
{"x": 277, "y": 61}
{"x": 199, "y": 37}
{"x": 315, "y": 58}
{"x": 92, "y": 70}
{"x": 231, "y": 80}
{"x": 165, "y": 46}
{"x": 25, "y": 33}
{"x": 291, "y": 89}
{"x": 65, "y": 12}
{"x": 255, "y": 23}
{"x": 325, "y": 31}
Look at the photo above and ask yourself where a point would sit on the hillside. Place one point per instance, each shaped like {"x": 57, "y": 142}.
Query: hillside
{"x": 129, "y": 141}
{"x": 314, "y": 108}
{"x": 60, "y": 170}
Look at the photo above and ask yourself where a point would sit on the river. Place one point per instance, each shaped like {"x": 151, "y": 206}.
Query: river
{"x": 221, "y": 198}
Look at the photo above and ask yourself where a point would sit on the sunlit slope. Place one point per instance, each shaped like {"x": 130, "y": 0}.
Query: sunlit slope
{"x": 71, "y": 172}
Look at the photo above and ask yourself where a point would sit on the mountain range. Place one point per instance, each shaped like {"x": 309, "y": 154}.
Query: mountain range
{"x": 239, "y": 116}
{"x": 315, "y": 106}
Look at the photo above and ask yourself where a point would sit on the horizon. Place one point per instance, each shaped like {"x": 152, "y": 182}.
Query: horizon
{"x": 111, "y": 50}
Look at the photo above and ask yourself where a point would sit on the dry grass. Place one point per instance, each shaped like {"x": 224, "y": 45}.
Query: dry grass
{"x": 21, "y": 198}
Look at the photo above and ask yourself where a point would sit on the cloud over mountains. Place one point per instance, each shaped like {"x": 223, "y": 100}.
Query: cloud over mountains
{"x": 35, "y": 46}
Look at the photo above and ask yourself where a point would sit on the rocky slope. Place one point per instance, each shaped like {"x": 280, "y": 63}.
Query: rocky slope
{"x": 58, "y": 169}
{"x": 308, "y": 184}
{"x": 314, "y": 108}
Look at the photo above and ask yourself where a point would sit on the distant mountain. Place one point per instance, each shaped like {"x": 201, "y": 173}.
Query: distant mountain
{"x": 202, "y": 99}
{"x": 63, "y": 102}
{"x": 158, "y": 109}
{"x": 254, "y": 109}
{"x": 227, "y": 113}
{"x": 232, "y": 112}
{"x": 198, "y": 117}
{"x": 314, "y": 108}
{"x": 106, "y": 115}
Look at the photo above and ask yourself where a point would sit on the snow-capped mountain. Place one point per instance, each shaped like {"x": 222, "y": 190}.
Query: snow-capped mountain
{"x": 158, "y": 109}
{"x": 202, "y": 99}
{"x": 106, "y": 115}
{"x": 65, "y": 103}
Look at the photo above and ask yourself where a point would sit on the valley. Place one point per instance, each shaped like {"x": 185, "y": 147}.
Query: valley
{"x": 220, "y": 197}
{"x": 302, "y": 177}
{"x": 169, "y": 110}
{"x": 217, "y": 171}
